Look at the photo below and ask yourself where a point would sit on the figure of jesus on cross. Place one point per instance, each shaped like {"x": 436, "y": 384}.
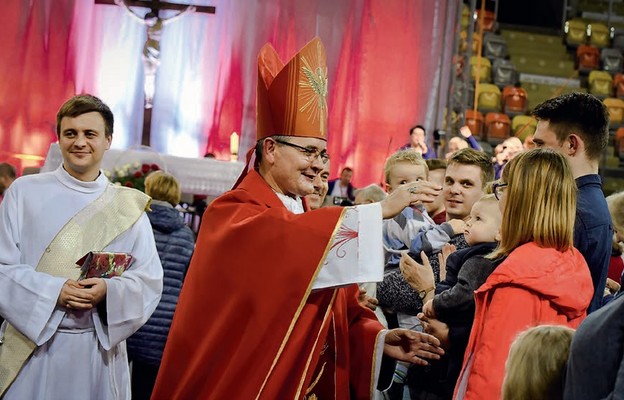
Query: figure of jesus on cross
{"x": 151, "y": 49}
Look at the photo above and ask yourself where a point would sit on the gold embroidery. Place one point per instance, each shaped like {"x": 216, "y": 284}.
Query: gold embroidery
{"x": 314, "y": 88}
{"x": 318, "y": 377}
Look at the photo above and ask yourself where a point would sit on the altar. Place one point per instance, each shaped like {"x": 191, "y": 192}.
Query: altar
{"x": 205, "y": 176}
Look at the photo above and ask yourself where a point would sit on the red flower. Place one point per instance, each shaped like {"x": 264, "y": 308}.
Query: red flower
{"x": 138, "y": 174}
{"x": 155, "y": 167}
{"x": 145, "y": 168}
{"x": 129, "y": 184}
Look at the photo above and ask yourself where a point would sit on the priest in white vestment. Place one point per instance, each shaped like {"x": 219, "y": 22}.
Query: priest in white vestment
{"x": 77, "y": 329}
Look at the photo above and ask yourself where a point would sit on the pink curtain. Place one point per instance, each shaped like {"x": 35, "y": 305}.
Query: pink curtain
{"x": 388, "y": 68}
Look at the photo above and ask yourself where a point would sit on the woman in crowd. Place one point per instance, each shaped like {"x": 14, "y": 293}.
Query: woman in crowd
{"x": 540, "y": 278}
{"x": 175, "y": 243}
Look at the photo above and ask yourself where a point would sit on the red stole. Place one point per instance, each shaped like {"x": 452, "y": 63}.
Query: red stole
{"x": 247, "y": 325}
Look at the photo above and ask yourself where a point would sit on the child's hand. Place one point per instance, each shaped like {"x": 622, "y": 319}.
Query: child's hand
{"x": 447, "y": 250}
{"x": 458, "y": 225}
{"x": 428, "y": 309}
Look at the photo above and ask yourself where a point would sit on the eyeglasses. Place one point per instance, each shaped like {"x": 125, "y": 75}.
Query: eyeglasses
{"x": 310, "y": 153}
{"x": 498, "y": 189}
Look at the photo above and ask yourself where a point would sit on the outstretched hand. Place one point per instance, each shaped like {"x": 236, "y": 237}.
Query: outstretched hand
{"x": 411, "y": 346}
{"x": 407, "y": 195}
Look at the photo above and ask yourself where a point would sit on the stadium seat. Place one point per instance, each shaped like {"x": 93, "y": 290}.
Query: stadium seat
{"x": 618, "y": 145}
{"x": 523, "y": 126}
{"x": 618, "y": 85}
{"x": 497, "y": 127}
{"x": 575, "y": 31}
{"x": 466, "y": 17}
{"x": 600, "y": 84}
{"x": 587, "y": 58}
{"x": 504, "y": 73}
{"x": 489, "y": 21}
{"x": 618, "y": 39}
{"x": 488, "y": 97}
{"x": 482, "y": 69}
{"x": 474, "y": 121}
{"x": 611, "y": 60}
{"x": 494, "y": 46}
{"x": 599, "y": 34}
{"x": 514, "y": 100}
{"x": 615, "y": 107}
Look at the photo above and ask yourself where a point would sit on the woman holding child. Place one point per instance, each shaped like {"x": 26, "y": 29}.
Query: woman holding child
{"x": 540, "y": 278}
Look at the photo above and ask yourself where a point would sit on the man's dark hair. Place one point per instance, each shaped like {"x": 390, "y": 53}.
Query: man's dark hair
{"x": 417, "y": 126}
{"x": 578, "y": 113}
{"x": 477, "y": 158}
{"x": 260, "y": 145}
{"x": 8, "y": 170}
{"x": 82, "y": 104}
{"x": 436, "y": 163}
{"x": 346, "y": 169}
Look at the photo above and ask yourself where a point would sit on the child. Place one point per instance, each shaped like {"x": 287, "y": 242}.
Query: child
{"x": 394, "y": 294}
{"x": 466, "y": 269}
{"x": 536, "y": 363}
{"x": 399, "y": 234}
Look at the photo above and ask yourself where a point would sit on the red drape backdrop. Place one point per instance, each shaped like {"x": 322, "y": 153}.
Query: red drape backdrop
{"x": 388, "y": 69}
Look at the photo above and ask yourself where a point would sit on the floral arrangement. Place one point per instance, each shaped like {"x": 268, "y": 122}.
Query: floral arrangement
{"x": 132, "y": 175}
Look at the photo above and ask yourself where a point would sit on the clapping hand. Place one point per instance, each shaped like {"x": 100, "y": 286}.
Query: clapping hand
{"x": 447, "y": 250}
{"x": 419, "y": 276}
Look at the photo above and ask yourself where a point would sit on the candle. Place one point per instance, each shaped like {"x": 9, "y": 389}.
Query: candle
{"x": 234, "y": 143}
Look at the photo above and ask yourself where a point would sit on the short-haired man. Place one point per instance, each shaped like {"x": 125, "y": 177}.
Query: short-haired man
{"x": 467, "y": 174}
{"x": 7, "y": 176}
{"x": 576, "y": 125}
{"x": 418, "y": 142}
{"x": 269, "y": 307}
{"x": 342, "y": 186}
{"x": 64, "y": 337}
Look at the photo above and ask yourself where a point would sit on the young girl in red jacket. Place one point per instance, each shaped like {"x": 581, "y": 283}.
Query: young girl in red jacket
{"x": 541, "y": 278}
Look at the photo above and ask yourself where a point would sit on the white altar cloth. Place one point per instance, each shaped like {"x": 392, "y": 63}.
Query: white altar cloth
{"x": 196, "y": 175}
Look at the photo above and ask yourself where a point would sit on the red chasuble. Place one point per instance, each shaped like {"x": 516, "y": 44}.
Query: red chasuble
{"x": 248, "y": 325}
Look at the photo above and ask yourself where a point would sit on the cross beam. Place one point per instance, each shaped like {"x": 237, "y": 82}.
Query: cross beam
{"x": 156, "y": 5}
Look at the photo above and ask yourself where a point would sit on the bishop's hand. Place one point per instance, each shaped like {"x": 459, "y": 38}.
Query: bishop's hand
{"x": 411, "y": 346}
{"x": 407, "y": 195}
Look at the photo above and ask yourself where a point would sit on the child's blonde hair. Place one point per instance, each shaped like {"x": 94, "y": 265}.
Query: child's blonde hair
{"x": 616, "y": 208}
{"x": 536, "y": 364}
{"x": 404, "y": 156}
{"x": 541, "y": 202}
{"x": 163, "y": 186}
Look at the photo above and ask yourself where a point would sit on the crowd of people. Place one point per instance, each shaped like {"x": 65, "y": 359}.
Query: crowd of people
{"x": 463, "y": 276}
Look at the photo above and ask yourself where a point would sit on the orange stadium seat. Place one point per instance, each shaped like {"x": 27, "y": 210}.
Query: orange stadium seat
{"x": 587, "y": 58}
{"x": 489, "y": 20}
{"x": 474, "y": 121}
{"x": 618, "y": 85}
{"x": 618, "y": 145}
{"x": 497, "y": 127}
{"x": 514, "y": 100}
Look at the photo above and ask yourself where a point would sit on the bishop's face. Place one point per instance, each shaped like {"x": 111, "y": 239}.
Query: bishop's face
{"x": 292, "y": 171}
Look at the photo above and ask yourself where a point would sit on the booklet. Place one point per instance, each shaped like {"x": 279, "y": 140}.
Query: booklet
{"x": 97, "y": 264}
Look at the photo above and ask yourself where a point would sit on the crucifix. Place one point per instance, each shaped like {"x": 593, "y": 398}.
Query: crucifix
{"x": 151, "y": 49}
